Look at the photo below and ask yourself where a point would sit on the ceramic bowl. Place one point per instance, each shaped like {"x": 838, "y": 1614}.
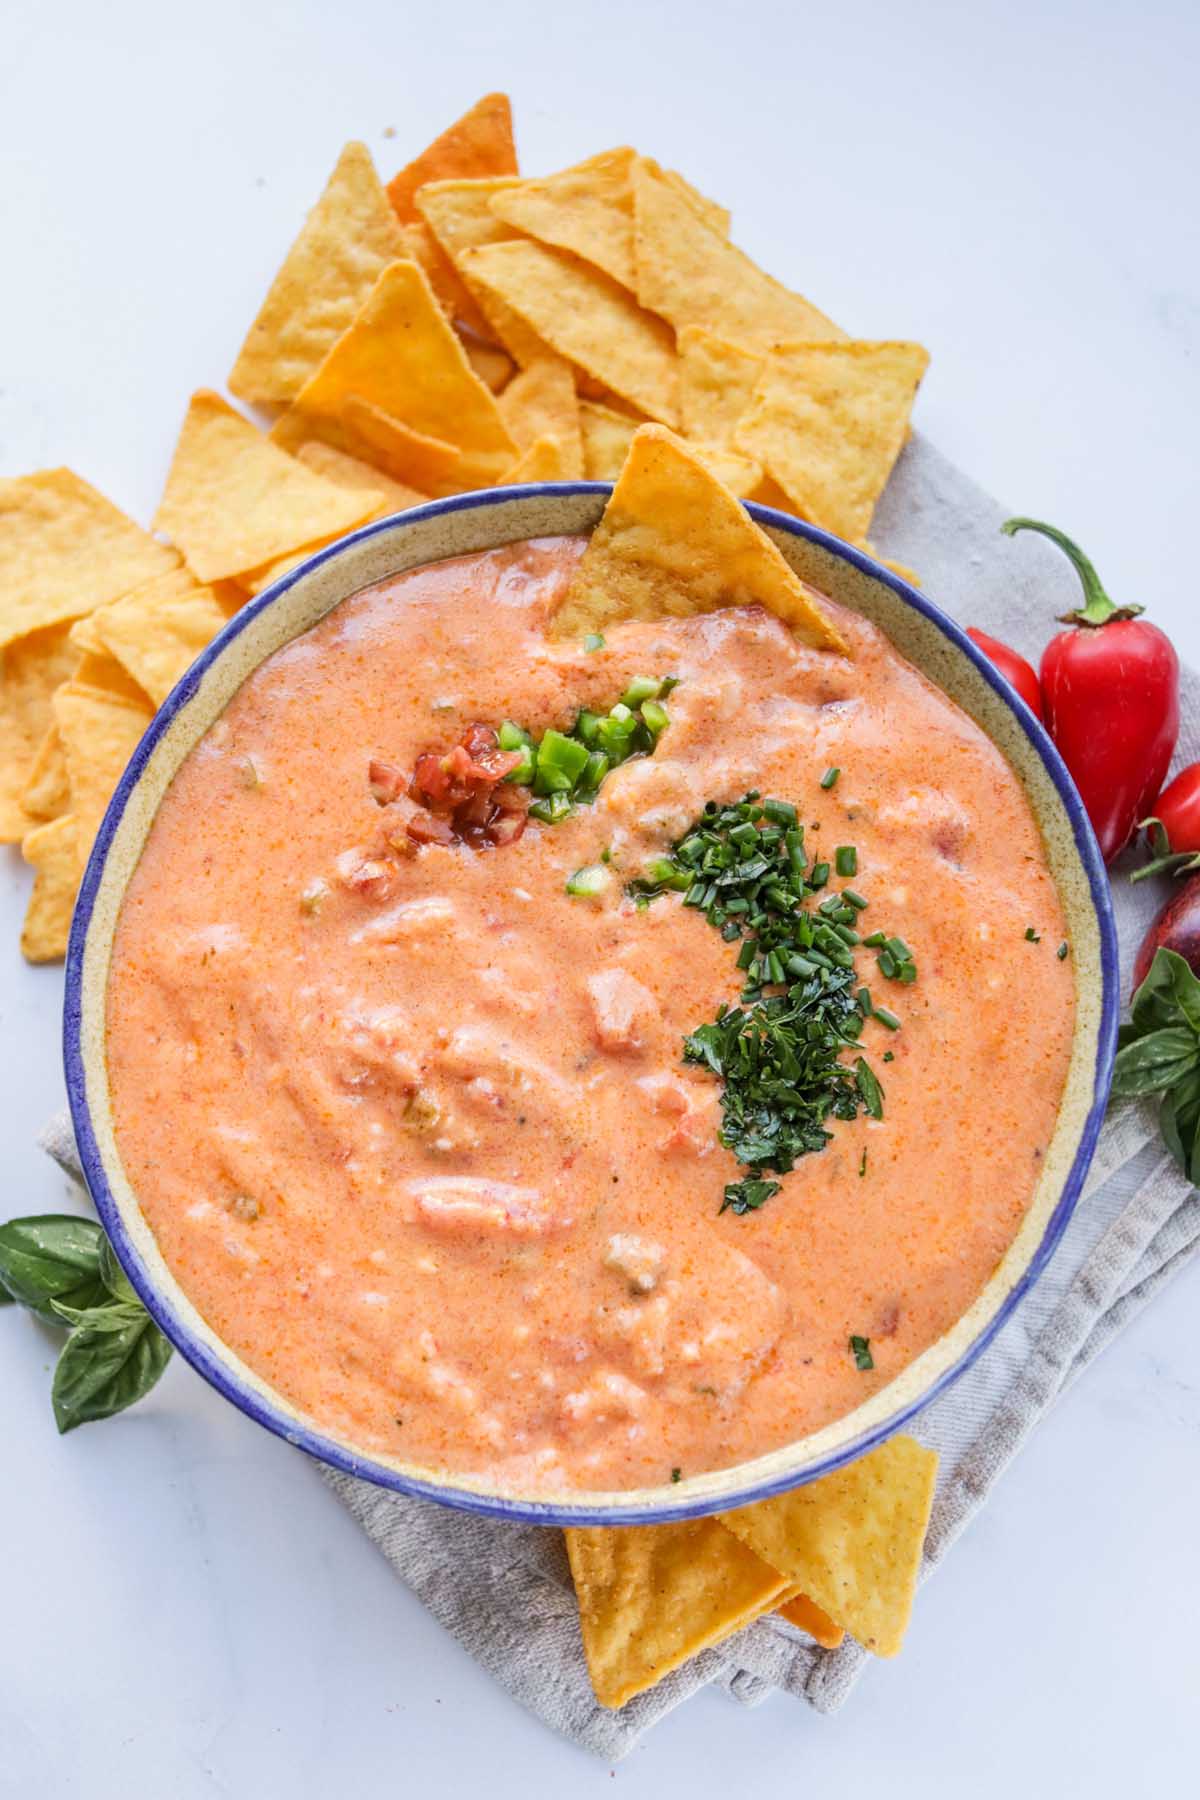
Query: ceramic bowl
{"x": 482, "y": 521}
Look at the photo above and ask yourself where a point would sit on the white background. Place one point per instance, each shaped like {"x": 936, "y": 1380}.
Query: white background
{"x": 184, "y": 1610}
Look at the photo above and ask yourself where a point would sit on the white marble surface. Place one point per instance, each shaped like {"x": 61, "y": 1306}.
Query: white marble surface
{"x": 186, "y": 1612}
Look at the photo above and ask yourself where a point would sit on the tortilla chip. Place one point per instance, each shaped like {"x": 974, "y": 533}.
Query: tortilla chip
{"x": 853, "y": 1539}
{"x": 100, "y": 732}
{"x": 478, "y": 144}
{"x": 371, "y": 436}
{"x": 769, "y": 493}
{"x": 828, "y": 422}
{"x": 718, "y": 217}
{"x": 691, "y": 275}
{"x": 492, "y": 365}
{"x": 84, "y": 637}
{"x": 545, "y": 459}
{"x": 586, "y": 209}
{"x": 233, "y": 499}
{"x": 65, "y": 549}
{"x": 402, "y": 357}
{"x": 350, "y": 235}
{"x": 607, "y": 435}
{"x": 449, "y": 289}
{"x": 459, "y": 213}
{"x": 30, "y": 670}
{"x": 673, "y": 541}
{"x": 349, "y": 472}
{"x": 803, "y": 1612}
{"x": 716, "y": 384}
{"x": 585, "y": 316}
{"x": 103, "y": 674}
{"x": 53, "y": 853}
{"x": 740, "y": 474}
{"x": 651, "y": 1596}
{"x": 541, "y": 402}
{"x": 47, "y": 793}
{"x": 157, "y": 631}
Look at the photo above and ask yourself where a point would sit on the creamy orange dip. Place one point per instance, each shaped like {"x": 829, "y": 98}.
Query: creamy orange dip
{"x": 418, "y": 1141}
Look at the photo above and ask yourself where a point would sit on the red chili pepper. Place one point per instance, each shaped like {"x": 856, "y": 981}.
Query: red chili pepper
{"x": 1015, "y": 670}
{"x": 1173, "y": 831}
{"x": 1111, "y": 687}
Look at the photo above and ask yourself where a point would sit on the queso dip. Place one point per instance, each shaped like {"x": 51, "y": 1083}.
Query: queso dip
{"x": 411, "y": 1123}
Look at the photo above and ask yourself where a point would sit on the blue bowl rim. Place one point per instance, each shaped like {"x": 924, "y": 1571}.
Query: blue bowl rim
{"x": 560, "y": 1512}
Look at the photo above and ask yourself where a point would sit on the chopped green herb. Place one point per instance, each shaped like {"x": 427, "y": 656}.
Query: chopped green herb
{"x": 845, "y": 859}
{"x": 860, "y": 1349}
{"x": 593, "y": 641}
{"x": 830, "y": 777}
{"x": 589, "y": 883}
{"x": 1063, "y": 951}
{"x": 887, "y": 1018}
{"x": 888, "y": 1056}
{"x": 1032, "y": 936}
{"x": 676, "y": 1474}
{"x": 747, "y": 1196}
{"x": 862, "y": 1167}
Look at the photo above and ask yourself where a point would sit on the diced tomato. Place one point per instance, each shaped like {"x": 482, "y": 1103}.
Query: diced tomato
{"x": 459, "y": 792}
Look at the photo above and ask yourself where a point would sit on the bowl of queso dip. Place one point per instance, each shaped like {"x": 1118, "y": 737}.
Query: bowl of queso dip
{"x": 600, "y": 1079}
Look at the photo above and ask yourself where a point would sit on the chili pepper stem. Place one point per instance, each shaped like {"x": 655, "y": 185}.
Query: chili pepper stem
{"x": 1097, "y": 609}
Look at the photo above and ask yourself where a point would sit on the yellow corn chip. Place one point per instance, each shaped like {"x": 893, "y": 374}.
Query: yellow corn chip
{"x": 84, "y": 636}
{"x": 740, "y": 474}
{"x": 52, "y": 851}
{"x": 587, "y": 209}
{"x": 157, "y": 631}
{"x": 800, "y": 1610}
{"x": 607, "y": 435}
{"x": 651, "y": 1596}
{"x": 449, "y": 289}
{"x": 65, "y": 549}
{"x": 540, "y": 402}
{"x": 402, "y": 357}
{"x": 692, "y": 275}
{"x": 103, "y": 674}
{"x": 100, "y": 732}
{"x": 234, "y": 500}
{"x": 492, "y": 365}
{"x": 30, "y": 670}
{"x": 459, "y": 213}
{"x": 349, "y": 472}
{"x": 769, "y": 493}
{"x": 828, "y": 422}
{"x": 47, "y": 793}
{"x": 350, "y": 235}
{"x": 716, "y": 384}
{"x": 674, "y": 541}
{"x": 544, "y": 460}
{"x": 853, "y": 1539}
{"x": 585, "y": 316}
{"x": 716, "y": 215}
{"x": 371, "y": 436}
{"x": 478, "y": 144}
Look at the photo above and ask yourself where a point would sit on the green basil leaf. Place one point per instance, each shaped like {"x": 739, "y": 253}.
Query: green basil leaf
{"x": 868, "y": 1087}
{"x": 1155, "y": 1062}
{"x": 52, "y": 1257}
{"x": 115, "y": 1354}
{"x": 114, "y": 1277}
{"x": 1170, "y": 995}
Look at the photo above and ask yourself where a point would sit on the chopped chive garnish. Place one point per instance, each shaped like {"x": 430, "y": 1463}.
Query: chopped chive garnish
{"x": 845, "y": 859}
{"x": 860, "y": 1349}
{"x": 589, "y": 883}
{"x": 862, "y": 1167}
{"x": 782, "y": 812}
{"x": 887, "y": 1018}
{"x": 854, "y": 900}
{"x": 829, "y": 777}
{"x": 1032, "y": 936}
{"x": 1063, "y": 951}
{"x": 819, "y": 875}
{"x": 654, "y": 717}
{"x": 888, "y": 1056}
{"x": 676, "y": 1474}
{"x": 876, "y": 940}
{"x": 593, "y": 641}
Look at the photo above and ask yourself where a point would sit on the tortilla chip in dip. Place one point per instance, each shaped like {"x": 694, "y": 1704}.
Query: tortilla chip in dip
{"x": 651, "y": 1596}
{"x": 350, "y": 235}
{"x": 402, "y": 356}
{"x": 688, "y": 273}
{"x": 478, "y": 144}
{"x": 541, "y": 401}
{"x": 30, "y": 670}
{"x": 233, "y": 499}
{"x": 829, "y": 420}
{"x": 52, "y": 851}
{"x": 672, "y": 541}
{"x": 64, "y": 550}
{"x": 585, "y": 316}
{"x": 852, "y": 1539}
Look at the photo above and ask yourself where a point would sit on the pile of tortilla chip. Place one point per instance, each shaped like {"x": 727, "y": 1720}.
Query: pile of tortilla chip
{"x": 461, "y": 327}
{"x": 841, "y": 1555}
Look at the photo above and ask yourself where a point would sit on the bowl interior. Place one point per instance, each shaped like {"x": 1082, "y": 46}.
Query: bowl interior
{"x": 483, "y": 521}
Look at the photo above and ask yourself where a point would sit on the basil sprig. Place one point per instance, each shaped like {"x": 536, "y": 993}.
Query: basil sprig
{"x": 62, "y": 1269}
{"x": 1159, "y": 1053}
